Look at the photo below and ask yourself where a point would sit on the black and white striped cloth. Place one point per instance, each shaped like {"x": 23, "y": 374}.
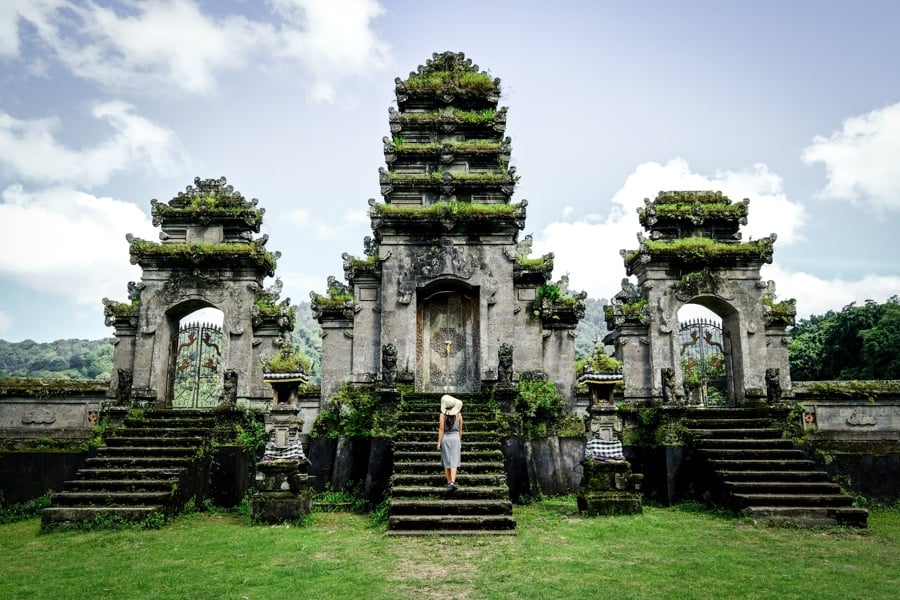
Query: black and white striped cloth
{"x": 292, "y": 452}
{"x": 597, "y": 449}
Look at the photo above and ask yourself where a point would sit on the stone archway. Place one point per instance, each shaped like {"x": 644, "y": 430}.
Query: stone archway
{"x": 447, "y": 339}
{"x": 694, "y": 256}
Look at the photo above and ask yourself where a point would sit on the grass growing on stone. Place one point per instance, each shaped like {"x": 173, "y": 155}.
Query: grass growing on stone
{"x": 665, "y": 553}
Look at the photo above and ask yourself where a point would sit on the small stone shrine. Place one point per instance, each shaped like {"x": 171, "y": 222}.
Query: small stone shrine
{"x": 446, "y": 294}
{"x": 694, "y": 254}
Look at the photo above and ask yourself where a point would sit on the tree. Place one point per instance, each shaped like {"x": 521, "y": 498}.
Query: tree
{"x": 859, "y": 342}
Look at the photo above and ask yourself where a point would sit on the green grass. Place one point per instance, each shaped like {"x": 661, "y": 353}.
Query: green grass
{"x": 665, "y": 553}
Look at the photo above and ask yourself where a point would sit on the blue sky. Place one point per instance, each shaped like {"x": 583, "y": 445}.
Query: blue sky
{"x": 105, "y": 105}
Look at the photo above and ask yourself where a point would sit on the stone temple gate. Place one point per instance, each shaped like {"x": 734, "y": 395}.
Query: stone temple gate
{"x": 694, "y": 255}
{"x": 207, "y": 257}
{"x": 445, "y": 287}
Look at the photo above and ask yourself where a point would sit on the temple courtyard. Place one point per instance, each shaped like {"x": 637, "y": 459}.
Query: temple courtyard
{"x": 675, "y": 552}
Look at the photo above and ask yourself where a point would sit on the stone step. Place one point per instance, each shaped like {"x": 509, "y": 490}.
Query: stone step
{"x": 451, "y": 507}
{"x": 157, "y": 441}
{"x": 83, "y": 485}
{"x": 448, "y": 532}
{"x": 434, "y": 466}
{"x": 158, "y": 432}
{"x": 744, "y": 444}
{"x": 438, "y": 479}
{"x": 62, "y": 517}
{"x": 142, "y": 462}
{"x": 782, "y": 487}
{"x": 743, "y": 464}
{"x": 785, "y": 499}
{"x": 469, "y": 445}
{"x": 169, "y": 423}
{"x": 442, "y": 524}
{"x": 464, "y": 492}
{"x": 773, "y": 454}
{"x": 758, "y": 433}
{"x": 735, "y": 423}
{"x": 468, "y": 456}
{"x": 104, "y": 498}
{"x": 142, "y": 451}
{"x": 811, "y": 516}
{"x": 117, "y": 473}
{"x": 773, "y": 475}
{"x": 432, "y": 425}
{"x": 431, "y": 434}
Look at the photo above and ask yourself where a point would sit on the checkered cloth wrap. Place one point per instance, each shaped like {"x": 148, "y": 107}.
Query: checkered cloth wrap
{"x": 293, "y": 452}
{"x": 597, "y": 449}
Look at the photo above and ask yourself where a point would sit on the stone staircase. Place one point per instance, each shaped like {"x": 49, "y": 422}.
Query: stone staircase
{"x": 750, "y": 467}
{"x": 148, "y": 466}
{"x": 420, "y": 503}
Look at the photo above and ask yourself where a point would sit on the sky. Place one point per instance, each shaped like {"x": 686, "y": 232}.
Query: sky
{"x": 105, "y": 105}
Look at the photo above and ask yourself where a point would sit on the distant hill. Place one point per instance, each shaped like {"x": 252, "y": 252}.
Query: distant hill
{"x": 62, "y": 359}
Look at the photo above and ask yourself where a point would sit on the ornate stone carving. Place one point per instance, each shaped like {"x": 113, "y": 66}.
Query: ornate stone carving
{"x": 444, "y": 259}
{"x": 125, "y": 381}
{"x": 860, "y": 419}
{"x": 668, "y": 385}
{"x": 773, "y": 385}
{"x": 229, "y": 388}
{"x": 388, "y": 366}
{"x": 505, "y": 365}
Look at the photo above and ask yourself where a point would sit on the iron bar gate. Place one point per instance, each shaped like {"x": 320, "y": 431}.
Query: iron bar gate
{"x": 196, "y": 381}
{"x": 705, "y": 363}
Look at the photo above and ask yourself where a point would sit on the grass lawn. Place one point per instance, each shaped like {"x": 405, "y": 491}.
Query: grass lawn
{"x": 665, "y": 553}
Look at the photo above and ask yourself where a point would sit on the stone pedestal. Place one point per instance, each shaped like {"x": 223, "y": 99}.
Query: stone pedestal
{"x": 609, "y": 488}
{"x": 604, "y": 422}
{"x": 285, "y": 492}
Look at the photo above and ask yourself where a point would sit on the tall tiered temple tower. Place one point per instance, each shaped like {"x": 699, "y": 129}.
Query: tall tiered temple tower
{"x": 446, "y": 289}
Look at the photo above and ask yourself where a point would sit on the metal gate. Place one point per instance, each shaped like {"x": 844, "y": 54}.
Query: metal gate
{"x": 706, "y": 363}
{"x": 196, "y": 368}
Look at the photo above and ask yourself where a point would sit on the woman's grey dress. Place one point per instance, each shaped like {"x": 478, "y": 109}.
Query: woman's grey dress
{"x": 450, "y": 445}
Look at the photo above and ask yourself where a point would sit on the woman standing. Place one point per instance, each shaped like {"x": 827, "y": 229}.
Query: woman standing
{"x": 450, "y": 438}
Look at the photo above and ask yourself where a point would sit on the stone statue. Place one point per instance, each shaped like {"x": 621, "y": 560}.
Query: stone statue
{"x": 123, "y": 391}
{"x": 773, "y": 385}
{"x": 229, "y": 388}
{"x": 668, "y": 385}
{"x": 388, "y": 366}
{"x": 505, "y": 368}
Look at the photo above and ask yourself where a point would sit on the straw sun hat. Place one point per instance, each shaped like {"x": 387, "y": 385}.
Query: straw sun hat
{"x": 450, "y": 405}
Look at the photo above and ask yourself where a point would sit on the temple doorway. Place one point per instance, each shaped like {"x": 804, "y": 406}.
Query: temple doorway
{"x": 705, "y": 353}
{"x": 447, "y": 341}
{"x": 195, "y": 366}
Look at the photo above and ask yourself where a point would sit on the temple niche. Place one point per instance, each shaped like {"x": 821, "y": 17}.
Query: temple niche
{"x": 694, "y": 255}
{"x": 207, "y": 257}
{"x": 445, "y": 288}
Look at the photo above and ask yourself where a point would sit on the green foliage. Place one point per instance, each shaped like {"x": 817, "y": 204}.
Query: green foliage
{"x": 540, "y": 405}
{"x": 474, "y": 117}
{"x": 701, "y": 250}
{"x": 350, "y": 412}
{"x": 288, "y": 359}
{"x": 598, "y": 362}
{"x": 443, "y": 210}
{"x": 251, "y": 435}
{"x": 204, "y": 255}
{"x": 461, "y": 81}
{"x": 96, "y": 439}
{"x": 22, "y": 511}
{"x": 859, "y": 342}
{"x": 62, "y": 359}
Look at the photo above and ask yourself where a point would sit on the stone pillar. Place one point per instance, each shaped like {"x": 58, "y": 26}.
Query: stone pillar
{"x": 284, "y": 493}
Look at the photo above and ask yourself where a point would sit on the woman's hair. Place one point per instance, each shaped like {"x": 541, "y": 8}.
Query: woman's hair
{"x": 449, "y": 420}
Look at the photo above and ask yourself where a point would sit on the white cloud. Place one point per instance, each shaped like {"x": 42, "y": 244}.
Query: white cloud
{"x": 30, "y": 150}
{"x": 588, "y": 248}
{"x": 165, "y": 46}
{"x": 6, "y": 322}
{"x": 69, "y": 242}
{"x": 816, "y": 296}
{"x": 861, "y": 160}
